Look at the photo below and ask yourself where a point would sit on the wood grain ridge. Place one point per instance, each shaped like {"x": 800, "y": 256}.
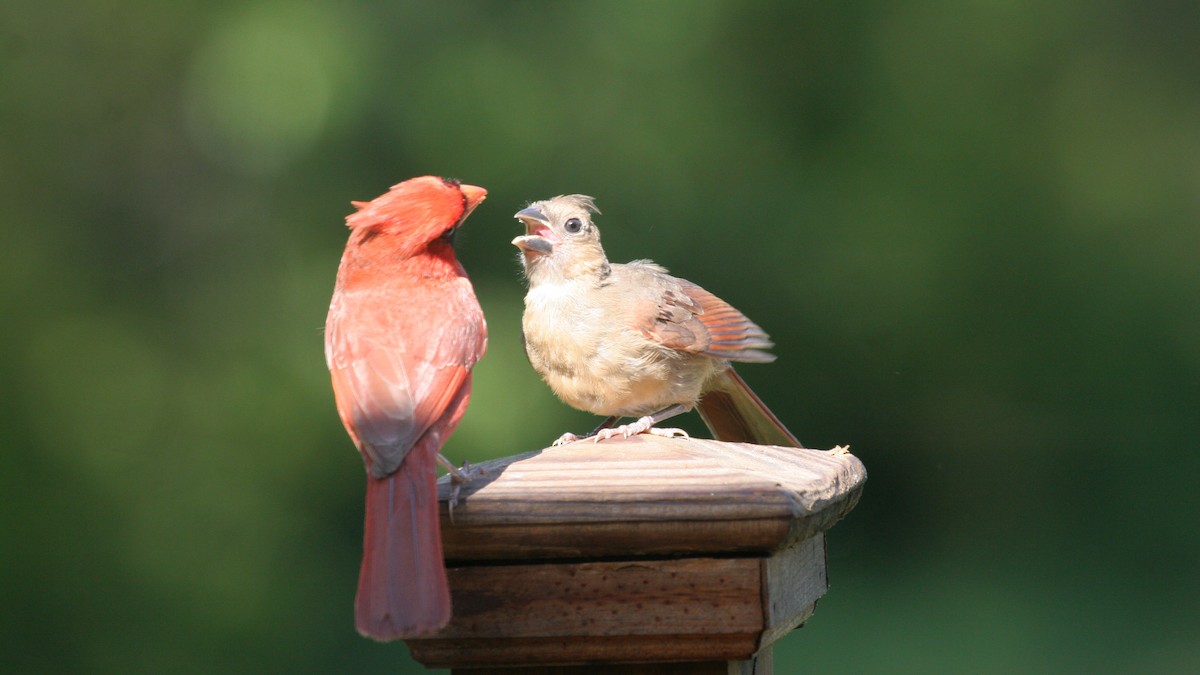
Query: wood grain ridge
{"x": 649, "y": 495}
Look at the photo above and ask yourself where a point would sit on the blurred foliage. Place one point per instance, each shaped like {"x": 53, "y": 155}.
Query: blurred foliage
{"x": 971, "y": 228}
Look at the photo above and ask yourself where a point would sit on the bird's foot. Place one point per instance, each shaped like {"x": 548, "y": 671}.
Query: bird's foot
{"x": 459, "y": 476}
{"x": 643, "y": 425}
{"x": 668, "y": 432}
{"x": 566, "y": 438}
{"x": 571, "y": 438}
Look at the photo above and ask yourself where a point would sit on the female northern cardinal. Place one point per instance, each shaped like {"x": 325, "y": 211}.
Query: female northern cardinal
{"x": 404, "y": 330}
{"x": 631, "y": 340}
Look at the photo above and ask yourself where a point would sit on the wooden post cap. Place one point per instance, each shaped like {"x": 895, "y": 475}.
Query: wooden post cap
{"x": 637, "y": 550}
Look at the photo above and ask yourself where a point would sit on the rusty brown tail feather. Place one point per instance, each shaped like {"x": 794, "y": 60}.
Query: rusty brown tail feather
{"x": 733, "y": 413}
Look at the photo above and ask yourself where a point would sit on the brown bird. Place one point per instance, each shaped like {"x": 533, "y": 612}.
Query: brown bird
{"x": 630, "y": 340}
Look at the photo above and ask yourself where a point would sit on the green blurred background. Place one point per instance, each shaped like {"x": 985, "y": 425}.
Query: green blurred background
{"x": 971, "y": 228}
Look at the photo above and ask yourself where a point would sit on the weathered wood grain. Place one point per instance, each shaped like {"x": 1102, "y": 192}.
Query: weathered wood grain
{"x": 647, "y": 493}
{"x": 637, "y": 556}
{"x": 685, "y": 668}
{"x": 793, "y": 580}
{"x": 699, "y": 596}
{"x": 693, "y": 608}
{"x": 646, "y": 649}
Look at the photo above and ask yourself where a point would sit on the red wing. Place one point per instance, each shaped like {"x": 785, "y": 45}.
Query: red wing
{"x": 397, "y": 365}
{"x": 694, "y": 320}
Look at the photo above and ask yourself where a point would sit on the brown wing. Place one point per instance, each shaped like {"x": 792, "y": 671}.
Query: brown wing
{"x": 691, "y": 319}
{"x": 397, "y": 361}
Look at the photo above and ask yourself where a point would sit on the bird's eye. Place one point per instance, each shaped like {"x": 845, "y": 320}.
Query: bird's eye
{"x": 573, "y": 225}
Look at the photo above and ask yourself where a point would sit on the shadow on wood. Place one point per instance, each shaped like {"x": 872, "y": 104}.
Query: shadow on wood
{"x": 647, "y": 552}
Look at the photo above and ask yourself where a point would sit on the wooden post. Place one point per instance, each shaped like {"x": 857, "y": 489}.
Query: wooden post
{"x": 638, "y": 556}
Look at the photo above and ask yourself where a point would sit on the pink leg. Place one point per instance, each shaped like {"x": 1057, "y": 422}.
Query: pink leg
{"x": 645, "y": 425}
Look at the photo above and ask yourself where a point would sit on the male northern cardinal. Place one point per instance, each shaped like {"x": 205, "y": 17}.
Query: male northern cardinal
{"x": 630, "y": 340}
{"x": 404, "y": 330}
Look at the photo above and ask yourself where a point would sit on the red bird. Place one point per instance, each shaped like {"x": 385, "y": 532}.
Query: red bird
{"x": 403, "y": 332}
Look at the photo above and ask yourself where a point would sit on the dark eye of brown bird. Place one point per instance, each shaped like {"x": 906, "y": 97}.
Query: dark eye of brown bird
{"x": 573, "y": 225}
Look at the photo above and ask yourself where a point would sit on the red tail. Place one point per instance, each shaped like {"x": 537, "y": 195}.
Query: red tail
{"x": 402, "y": 589}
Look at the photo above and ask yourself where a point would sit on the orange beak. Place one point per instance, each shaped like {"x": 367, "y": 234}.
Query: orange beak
{"x": 473, "y": 194}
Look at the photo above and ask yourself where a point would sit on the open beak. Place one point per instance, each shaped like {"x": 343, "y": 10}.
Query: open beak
{"x": 538, "y": 239}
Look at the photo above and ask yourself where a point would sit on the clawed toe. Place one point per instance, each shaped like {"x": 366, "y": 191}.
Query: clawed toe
{"x": 644, "y": 425}
{"x": 566, "y": 438}
{"x": 668, "y": 433}
{"x": 459, "y": 477}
